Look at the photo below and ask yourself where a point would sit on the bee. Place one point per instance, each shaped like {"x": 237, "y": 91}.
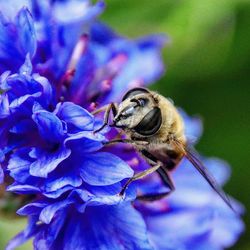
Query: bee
{"x": 153, "y": 125}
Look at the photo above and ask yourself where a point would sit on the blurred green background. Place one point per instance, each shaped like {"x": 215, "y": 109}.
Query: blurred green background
{"x": 208, "y": 63}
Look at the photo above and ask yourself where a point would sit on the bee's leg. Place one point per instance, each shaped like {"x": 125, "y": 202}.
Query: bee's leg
{"x": 164, "y": 174}
{"x": 138, "y": 176}
{"x": 157, "y": 196}
{"x": 133, "y": 142}
{"x": 156, "y": 166}
{"x": 110, "y": 107}
{"x": 153, "y": 196}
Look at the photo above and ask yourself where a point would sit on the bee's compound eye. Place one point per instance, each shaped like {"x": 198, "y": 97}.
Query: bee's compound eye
{"x": 134, "y": 92}
{"x": 150, "y": 123}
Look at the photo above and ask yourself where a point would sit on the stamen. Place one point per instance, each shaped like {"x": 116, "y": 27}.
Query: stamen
{"x": 92, "y": 106}
{"x": 79, "y": 49}
{"x": 134, "y": 162}
{"x": 77, "y": 53}
{"x": 106, "y": 85}
{"x": 100, "y": 85}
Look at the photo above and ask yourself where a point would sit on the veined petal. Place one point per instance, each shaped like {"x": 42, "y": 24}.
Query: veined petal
{"x": 48, "y": 212}
{"x": 47, "y": 238}
{"x": 23, "y": 126}
{"x": 102, "y": 169}
{"x": 48, "y": 90}
{"x": 77, "y": 11}
{"x": 84, "y": 142}
{"x": 26, "y": 32}
{"x": 19, "y": 164}
{"x": 110, "y": 228}
{"x": 32, "y": 208}
{"x": 58, "y": 181}
{"x": 46, "y": 162}
{"x": 16, "y": 103}
{"x": 22, "y": 189}
{"x": 4, "y": 106}
{"x": 1, "y": 175}
{"x": 57, "y": 193}
{"x": 26, "y": 68}
{"x": 50, "y": 126}
{"x": 76, "y": 116}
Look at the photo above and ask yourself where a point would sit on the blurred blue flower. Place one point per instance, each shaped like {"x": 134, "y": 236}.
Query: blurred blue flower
{"x": 55, "y": 68}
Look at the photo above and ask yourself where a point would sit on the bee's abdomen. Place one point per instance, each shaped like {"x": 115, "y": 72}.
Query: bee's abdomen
{"x": 169, "y": 157}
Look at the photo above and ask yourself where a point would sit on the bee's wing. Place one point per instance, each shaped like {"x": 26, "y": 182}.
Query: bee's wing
{"x": 205, "y": 173}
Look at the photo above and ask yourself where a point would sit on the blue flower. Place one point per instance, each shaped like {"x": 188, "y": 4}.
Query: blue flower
{"x": 101, "y": 227}
{"x": 55, "y": 69}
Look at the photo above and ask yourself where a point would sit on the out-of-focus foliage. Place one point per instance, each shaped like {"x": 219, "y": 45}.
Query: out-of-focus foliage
{"x": 207, "y": 59}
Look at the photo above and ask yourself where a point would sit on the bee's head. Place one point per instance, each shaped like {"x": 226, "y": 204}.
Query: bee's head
{"x": 139, "y": 112}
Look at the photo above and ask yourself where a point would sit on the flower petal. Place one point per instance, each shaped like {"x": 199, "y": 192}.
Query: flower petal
{"x": 57, "y": 193}
{"x": 50, "y": 126}
{"x": 46, "y": 162}
{"x": 26, "y": 32}
{"x": 110, "y": 228}
{"x": 16, "y": 103}
{"x": 84, "y": 142}
{"x": 102, "y": 169}
{"x": 19, "y": 164}
{"x": 26, "y": 68}
{"x": 31, "y": 208}
{"x": 48, "y": 212}
{"x": 4, "y": 105}
{"x": 58, "y": 181}
{"x": 1, "y": 175}
{"x": 22, "y": 189}
{"x": 76, "y": 116}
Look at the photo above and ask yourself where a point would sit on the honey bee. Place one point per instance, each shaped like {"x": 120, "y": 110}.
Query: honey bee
{"x": 153, "y": 125}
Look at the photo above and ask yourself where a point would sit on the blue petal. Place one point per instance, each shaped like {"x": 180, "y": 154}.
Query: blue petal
{"x": 84, "y": 142}
{"x": 107, "y": 228}
{"x": 31, "y": 208}
{"x": 102, "y": 169}
{"x": 48, "y": 91}
{"x": 48, "y": 212}
{"x": 2, "y": 156}
{"x": 4, "y": 106}
{"x": 26, "y": 68}
{"x": 57, "y": 193}
{"x": 46, "y": 162}
{"x": 91, "y": 198}
{"x": 16, "y": 103}
{"x": 193, "y": 127}
{"x": 75, "y": 115}
{"x": 9, "y": 46}
{"x": 227, "y": 229}
{"x": 102, "y": 33}
{"x": 23, "y": 189}
{"x": 58, "y": 181}
{"x": 48, "y": 234}
{"x": 77, "y": 11}
{"x": 19, "y": 164}
{"x": 26, "y": 32}
{"x": 1, "y": 175}
{"x": 50, "y": 127}
{"x": 23, "y": 126}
